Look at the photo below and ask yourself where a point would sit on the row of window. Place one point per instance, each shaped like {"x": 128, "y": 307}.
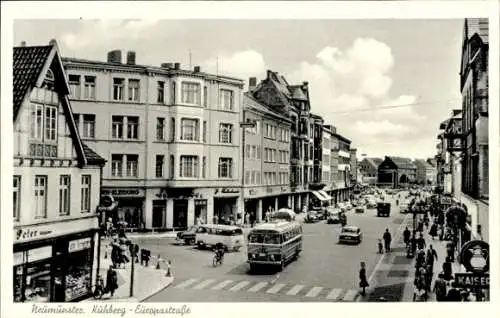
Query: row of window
{"x": 127, "y": 127}
{"x": 273, "y": 178}
{"x": 126, "y": 165}
{"x": 273, "y": 132}
{"x": 43, "y": 122}
{"x": 39, "y": 199}
{"x": 84, "y": 87}
{"x": 270, "y": 155}
{"x": 252, "y": 151}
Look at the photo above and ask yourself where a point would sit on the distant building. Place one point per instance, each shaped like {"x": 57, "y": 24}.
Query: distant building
{"x": 369, "y": 170}
{"x": 354, "y": 166}
{"x": 425, "y": 172}
{"x": 56, "y": 185}
{"x": 396, "y": 172}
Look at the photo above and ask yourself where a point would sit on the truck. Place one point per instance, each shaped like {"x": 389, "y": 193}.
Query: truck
{"x": 383, "y": 209}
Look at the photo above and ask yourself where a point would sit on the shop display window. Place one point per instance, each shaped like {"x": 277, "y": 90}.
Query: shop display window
{"x": 37, "y": 283}
{"x": 78, "y": 277}
{"x": 18, "y": 284}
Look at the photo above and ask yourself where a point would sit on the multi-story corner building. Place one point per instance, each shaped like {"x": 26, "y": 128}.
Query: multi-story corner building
{"x": 171, "y": 137}
{"x": 333, "y": 144}
{"x": 474, "y": 89}
{"x": 275, "y": 92}
{"x": 341, "y": 150}
{"x": 369, "y": 170}
{"x": 425, "y": 172}
{"x": 267, "y": 157}
{"x": 55, "y": 185}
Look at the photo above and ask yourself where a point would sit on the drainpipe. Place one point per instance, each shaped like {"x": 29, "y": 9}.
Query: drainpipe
{"x": 146, "y": 157}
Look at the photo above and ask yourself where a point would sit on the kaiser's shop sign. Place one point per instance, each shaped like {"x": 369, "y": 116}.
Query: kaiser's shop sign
{"x": 475, "y": 256}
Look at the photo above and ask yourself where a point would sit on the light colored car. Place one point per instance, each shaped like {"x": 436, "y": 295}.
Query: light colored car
{"x": 350, "y": 234}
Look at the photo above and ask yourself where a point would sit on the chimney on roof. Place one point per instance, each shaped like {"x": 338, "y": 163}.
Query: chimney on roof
{"x": 53, "y": 42}
{"x": 131, "y": 58}
{"x": 304, "y": 85}
{"x": 456, "y": 112}
{"x": 115, "y": 56}
{"x": 167, "y": 65}
{"x": 23, "y": 43}
{"x": 252, "y": 83}
{"x": 197, "y": 69}
{"x": 269, "y": 73}
{"x": 177, "y": 66}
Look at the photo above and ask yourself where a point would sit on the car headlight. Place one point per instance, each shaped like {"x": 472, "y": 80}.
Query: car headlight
{"x": 271, "y": 257}
{"x": 254, "y": 255}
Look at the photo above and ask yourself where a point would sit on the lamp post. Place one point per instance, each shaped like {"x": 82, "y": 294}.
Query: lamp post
{"x": 244, "y": 124}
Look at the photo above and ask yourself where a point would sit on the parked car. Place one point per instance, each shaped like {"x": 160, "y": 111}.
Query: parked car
{"x": 188, "y": 236}
{"x": 404, "y": 207}
{"x": 359, "y": 209}
{"x": 350, "y": 234}
{"x": 348, "y": 206}
{"x": 371, "y": 204}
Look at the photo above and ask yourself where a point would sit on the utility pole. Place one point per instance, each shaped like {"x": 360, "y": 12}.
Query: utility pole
{"x": 132, "y": 270}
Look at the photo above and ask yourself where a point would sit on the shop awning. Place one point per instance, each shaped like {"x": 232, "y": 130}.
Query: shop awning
{"x": 326, "y": 195}
{"x": 319, "y": 196}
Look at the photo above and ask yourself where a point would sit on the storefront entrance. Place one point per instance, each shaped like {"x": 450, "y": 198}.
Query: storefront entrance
{"x": 55, "y": 270}
{"x": 224, "y": 210}
{"x": 159, "y": 213}
{"x": 283, "y": 202}
{"x": 200, "y": 211}
{"x": 180, "y": 214}
{"x": 129, "y": 210}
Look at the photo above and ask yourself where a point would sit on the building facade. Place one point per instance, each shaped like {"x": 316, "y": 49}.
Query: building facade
{"x": 55, "y": 185}
{"x": 276, "y": 93}
{"x": 171, "y": 137}
{"x": 343, "y": 154}
{"x": 396, "y": 172}
{"x": 425, "y": 172}
{"x": 267, "y": 158}
{"x": 369, "y": 169}
{"x": 354, "y": 165}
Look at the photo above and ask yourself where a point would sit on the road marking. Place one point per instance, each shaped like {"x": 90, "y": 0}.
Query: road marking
{"x": 334, "y": 294}
{"x": 350, "y": 295}
{"x": 187, "y": 283}
{"x": 276, "y": 288}
{"x": 222, "y": 285}
{"x": 204, "y": 284}
{"x": 381, "y": 259}
{"x": 257, "y": 287}
{"x": 314, "y": 291}
{"x": 239, "y": 286}
{"x": 295, "y": 290}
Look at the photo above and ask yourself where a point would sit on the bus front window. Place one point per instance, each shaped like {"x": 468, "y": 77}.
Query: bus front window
{"x": 264, "y": 238}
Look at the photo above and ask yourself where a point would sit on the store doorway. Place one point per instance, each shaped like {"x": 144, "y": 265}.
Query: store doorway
{"x": 180, "y": 214}
{"x": 159, "y": 208}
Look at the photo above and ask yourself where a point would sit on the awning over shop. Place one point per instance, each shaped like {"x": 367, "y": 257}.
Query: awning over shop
{"x": 319, "y": 196}
{"x": 326, "y": 195}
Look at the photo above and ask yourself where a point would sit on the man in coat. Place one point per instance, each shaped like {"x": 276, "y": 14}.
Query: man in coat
{"x": 387, "y": 240}
{"x": 111, "y": 280}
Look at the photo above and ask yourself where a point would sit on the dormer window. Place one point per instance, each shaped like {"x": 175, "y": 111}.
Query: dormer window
{"x": 48, "y": 81}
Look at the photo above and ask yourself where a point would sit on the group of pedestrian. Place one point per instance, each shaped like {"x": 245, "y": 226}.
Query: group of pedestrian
{"x": 387, "y": 239}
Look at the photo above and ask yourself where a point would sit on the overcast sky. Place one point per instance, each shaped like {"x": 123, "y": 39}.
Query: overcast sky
{"x": 351, "y": 65}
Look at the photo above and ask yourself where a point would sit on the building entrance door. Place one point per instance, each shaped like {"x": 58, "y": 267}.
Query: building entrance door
{"x": 159, "y": 213}
{"x": 180, "y": 214}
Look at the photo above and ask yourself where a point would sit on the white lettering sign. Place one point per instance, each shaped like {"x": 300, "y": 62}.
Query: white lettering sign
{"x": 44, "y": 231}
{"x": 78, "y": 245}
{"x": 40, "y": 253}
{"x": 19, "y": 258}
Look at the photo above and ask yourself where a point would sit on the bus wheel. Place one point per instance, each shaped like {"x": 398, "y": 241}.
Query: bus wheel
{"x": 200, "y": 245}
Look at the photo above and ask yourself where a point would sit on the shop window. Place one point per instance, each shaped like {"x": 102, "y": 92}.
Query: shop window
{"x": 38, "y": 282}
{"x": 78, "y": 277}
{"x": 200, "y": 211}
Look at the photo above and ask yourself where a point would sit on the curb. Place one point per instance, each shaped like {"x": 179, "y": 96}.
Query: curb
{"x": 158, "y": 290}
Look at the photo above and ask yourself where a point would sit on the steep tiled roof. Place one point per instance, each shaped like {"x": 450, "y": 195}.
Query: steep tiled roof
{"x": 423, "y": 163}
{"x": 92, "y": 157}
{"x": 479, "y": 26}
{"x": 375, "y": 162}
{"x": 402, "y": 162}
{"x": 28, "y": 63}
{"x": 298, "y": 94}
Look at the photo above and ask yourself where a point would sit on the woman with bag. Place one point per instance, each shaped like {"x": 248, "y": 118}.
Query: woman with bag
{"x": 363, "y": 282}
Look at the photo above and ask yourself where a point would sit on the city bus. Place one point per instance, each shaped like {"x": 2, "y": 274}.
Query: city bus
{"x": 274, "y": 244}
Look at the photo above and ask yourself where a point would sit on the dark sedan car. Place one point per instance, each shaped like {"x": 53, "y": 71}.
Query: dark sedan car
{"x": 312, "y": 217}
{"x": 350, "y": 234}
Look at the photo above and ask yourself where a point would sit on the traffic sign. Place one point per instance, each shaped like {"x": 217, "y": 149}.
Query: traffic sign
{"x": 475, "y": 256}
{"x": 470, "y": 280}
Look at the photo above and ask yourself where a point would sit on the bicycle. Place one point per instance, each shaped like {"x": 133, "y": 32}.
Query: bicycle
{"x": 218, "y": 259}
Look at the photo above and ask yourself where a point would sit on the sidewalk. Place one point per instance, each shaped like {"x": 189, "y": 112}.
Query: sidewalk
{"x": 440, "y": 247}
{"x": 147, "y": 280}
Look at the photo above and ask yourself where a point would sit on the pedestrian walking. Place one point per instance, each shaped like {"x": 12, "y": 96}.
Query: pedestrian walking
{"x": 380, "y": 246}
{"x": 450, "y": 251}
{"x": 406, "y": 236}
{"x": 447, "y": 269}
{"x": 111, "y": 280}
{"x": 440, "y": 288}
{"x": 431, "y": 256}
{"x": 421, "y": 242}
{"x": 363, "y": 282}
{"x": 453, "y": 294}
{"x": 433, "y": 232}
{"x": 420, "y": 226}
{"x": 429, "y": 273}
{"x": 387, "y": 240}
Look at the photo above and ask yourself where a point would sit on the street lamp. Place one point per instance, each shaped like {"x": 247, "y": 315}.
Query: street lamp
{"x": 244, "y": 124}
